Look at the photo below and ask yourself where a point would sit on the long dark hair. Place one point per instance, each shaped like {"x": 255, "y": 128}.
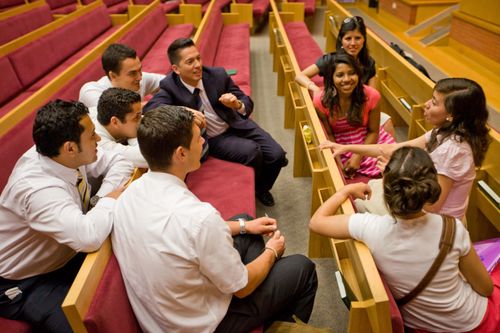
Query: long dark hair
{"x": 355, "y": 23}
{"x": 330, "y": 97}
{"x": 466, "y": 103}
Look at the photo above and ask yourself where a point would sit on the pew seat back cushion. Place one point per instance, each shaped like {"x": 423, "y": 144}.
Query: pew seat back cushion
{"x": 19, "y": 25}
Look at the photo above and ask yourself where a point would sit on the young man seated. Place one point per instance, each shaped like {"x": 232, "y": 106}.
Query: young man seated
{"x": 123, "y": 69}
{"x": 232, "y": 135}
{"x": 46, "y": 214}
{"x": 184, "y": 267}
{"x": 118, "y": 116}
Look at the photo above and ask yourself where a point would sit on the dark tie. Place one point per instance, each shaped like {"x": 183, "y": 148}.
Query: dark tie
{"x": 199, "y": 106}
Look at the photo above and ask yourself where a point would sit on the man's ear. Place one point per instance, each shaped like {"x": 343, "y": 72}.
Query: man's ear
{"x": 112, "y": 75}
{"x": 114, "y": 121}
{"x": 69, "y": 148}
{"x": 175, "y": 68}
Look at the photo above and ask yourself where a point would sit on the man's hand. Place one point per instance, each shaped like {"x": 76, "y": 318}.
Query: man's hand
{"x": 261, "y": 226}
{"x": 352, "y": 165}
{"x": 199, "y": 119}
{"x": 116, "y": 193}
{"x": 277, "y": 242}
{"x": 231, "y": 101}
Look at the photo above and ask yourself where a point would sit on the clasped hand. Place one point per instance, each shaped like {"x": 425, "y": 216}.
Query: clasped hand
{"x": 230, "y": 101}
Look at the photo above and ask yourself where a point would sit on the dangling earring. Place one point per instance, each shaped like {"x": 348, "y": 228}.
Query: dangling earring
{"x": 334, "y": 91}
{"x": 449, "y": 119}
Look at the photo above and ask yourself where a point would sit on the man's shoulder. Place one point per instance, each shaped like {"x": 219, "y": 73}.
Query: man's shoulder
{"x": 102, "y": 83}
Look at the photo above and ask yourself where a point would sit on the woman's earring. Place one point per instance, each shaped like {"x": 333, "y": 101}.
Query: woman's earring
{"x": 334, "y": 91}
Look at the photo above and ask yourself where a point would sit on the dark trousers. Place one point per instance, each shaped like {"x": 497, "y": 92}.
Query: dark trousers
{"x": 41, "y": 298}
{"x": 289, "y": 289}
{"x": 253, "y": 147}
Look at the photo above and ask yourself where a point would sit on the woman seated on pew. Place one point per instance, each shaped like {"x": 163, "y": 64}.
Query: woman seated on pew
{"x": 457, "y": 144}
{"x": 352, "y": 40}
{"x": 461, "y": 296}
{"x": 350, "y": 113}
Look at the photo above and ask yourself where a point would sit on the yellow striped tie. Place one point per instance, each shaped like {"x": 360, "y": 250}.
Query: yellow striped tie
{"x": 83, "y": 188}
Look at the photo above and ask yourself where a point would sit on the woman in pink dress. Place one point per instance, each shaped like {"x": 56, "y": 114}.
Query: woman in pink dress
{"x": 350, "y": 113}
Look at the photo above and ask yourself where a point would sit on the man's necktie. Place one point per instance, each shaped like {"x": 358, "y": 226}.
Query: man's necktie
{"x": 199, "y": 107}
{"x": 84, "y": 191}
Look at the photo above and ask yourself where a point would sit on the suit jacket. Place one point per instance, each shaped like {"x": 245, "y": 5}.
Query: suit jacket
{"x": 216, "y": 82}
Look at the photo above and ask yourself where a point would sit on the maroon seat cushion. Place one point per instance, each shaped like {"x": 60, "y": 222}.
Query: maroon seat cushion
{"x": 14, "y": 326}
{"x": 309, "y": 6}
{"x": 156, "y": 60}
{"x": 227, "y": 186}
{"x": 110, "y": 309}
{"x": 10, "y": 85}
{"x": 71, "y": 91}
{"x": 260, "y": 7}
{"x": 235, "y": 38}
{"x": 396, "y": 318}
{"x": 19, "y": 25}
{"x": 12, "y": 145}
{"x": 11, "y": 3}
{"x": 65, "y": 10}
{"x": 119, "y": 8}
{"x": 145, "y": 34}
{"x": 209, "y": 39}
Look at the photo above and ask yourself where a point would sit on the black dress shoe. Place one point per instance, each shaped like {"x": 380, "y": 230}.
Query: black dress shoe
{"x": 266, "y": 198}
{"x": 285, "y": 162}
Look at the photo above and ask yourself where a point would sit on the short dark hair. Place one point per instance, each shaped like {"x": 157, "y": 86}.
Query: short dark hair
{"x": 410, "y": 181}
{"x": 114, "y": 55}
{"x": 175, "y": 48}
{"x": 116, "y": 102}
{"x": 161, "y": 131}
{"x": 56, "y": 123}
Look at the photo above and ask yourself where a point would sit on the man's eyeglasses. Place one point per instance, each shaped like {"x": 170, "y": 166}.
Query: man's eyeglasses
{"x": 358, "y": 19}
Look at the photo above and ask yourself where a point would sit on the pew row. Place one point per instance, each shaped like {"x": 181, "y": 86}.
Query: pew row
{"x": 220, "y": 35}
{"x": 374, "y": 310}
{"x": 11, "y": 4}
{"x": 18, "y": 22}
{"x": 62, "y": 7}
{"x": 404, "y": 91}
{"x": 143, "y": 32}
{"x": 254, "y": 11}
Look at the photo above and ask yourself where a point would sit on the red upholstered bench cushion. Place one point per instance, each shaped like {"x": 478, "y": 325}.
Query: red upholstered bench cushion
{"x": 234, "y": 52}
{"x": 62, "y": 6}
{"x": 309, "y": 6}
{"x": 170, "y": 6}
{"x": 10, "y": 85}
{"x": 305, "y": 48}
{"x": 71, "y": 91}
{"x": 260, "y": 7}
{"x": 156, "y": 60}
{"x": 396, "y": 318}
{"x": 18, "y": 25}
{"x": 110, "y": 310}
{"x": 145, "y": 34}
{"x": 227, "y": 186}
{"x": 11, "y": 3}
{"x": 208, "y": 42}
{"x": 119, "y": 8}
{"x": 14, "y": 326}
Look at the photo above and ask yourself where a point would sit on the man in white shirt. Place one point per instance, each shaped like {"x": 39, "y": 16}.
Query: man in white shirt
{"x": 176, "y": 254}
{"x": 118, "y": 116}
{"x": 124, "y": 70}
{"x": 45, "y": 215}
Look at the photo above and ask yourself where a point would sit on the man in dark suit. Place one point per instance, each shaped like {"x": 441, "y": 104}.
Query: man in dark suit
{"x": 232, "y": 136}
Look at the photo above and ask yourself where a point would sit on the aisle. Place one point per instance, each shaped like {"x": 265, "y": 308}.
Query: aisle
{"x": 292, "y": 195}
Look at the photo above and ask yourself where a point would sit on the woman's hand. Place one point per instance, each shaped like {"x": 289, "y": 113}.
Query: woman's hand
{"x": 337, "y": 149}
{"x": 352, "y": 165}
{"x": 358, "y": 191}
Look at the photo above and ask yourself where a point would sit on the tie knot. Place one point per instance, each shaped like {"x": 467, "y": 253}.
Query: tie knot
{"x": 79, "y": 177}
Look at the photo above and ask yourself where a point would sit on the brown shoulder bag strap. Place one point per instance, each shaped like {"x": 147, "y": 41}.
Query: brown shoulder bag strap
{"x": 445, "y": 245}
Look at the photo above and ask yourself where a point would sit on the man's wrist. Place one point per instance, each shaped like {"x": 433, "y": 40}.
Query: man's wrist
{"x": 242, "y": 223}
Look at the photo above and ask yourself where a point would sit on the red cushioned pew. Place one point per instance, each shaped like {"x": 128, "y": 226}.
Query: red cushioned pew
{"x": 16, "y": 23}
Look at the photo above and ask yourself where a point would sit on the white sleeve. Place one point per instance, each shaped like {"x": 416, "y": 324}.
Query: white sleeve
{"x": 132, "y": 153}
{"x": 151, "y": 82}
{"x": 53, "y": 212}
{"x": 90, "y": 93}
{"x": 219, "y": 261}
{"x": 114, "y": 167}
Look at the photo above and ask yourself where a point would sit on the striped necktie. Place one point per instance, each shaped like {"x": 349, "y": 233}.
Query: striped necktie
{"x": 84, "y": 191}
{"x": 199, "y": 106}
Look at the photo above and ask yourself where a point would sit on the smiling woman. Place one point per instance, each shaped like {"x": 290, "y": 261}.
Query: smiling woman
{"x": 350, "y": 113}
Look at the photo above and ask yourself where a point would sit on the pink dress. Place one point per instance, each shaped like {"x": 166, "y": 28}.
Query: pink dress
{"x": 344, "y": 133}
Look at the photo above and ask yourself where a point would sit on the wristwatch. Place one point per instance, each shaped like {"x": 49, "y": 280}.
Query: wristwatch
{"x": 94, "y": 200}
{"x": 242, "y": 222}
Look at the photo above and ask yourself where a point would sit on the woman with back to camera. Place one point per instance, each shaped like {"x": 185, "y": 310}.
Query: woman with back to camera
{"x": 352, "y": 40}
{"x": 457, "y": 143}
{"x": 405, "y": 243}
{"x": 350, "y": 114}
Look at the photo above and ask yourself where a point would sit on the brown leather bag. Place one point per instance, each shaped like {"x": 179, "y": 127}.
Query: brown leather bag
{"x": 445, "y": 245}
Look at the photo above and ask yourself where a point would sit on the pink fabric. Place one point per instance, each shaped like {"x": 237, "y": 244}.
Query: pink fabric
{"x": 14, "y": 326}
{"x": 146, "y": 33}
{"x": 19, "y": 25}
{"x": 10, "y": 85}
{"x": 491, "y": 319}
{"x": 344, "y": 133}
{"x": 110, "y": 310}
{"x": 227, "y": 186}
{"x": 156, "y": 61}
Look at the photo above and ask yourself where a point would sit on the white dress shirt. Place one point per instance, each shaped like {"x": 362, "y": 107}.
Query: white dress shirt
{"x": 176, "y": 255}
{"x": 131, "y": 151}
{"x": 215, "y": 124}
{"x": 42, "y": 225}
{"x": 91, "y": 91}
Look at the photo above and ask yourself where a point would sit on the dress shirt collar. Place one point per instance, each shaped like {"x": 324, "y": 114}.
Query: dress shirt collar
{"x": 164, "y": 176}
{"x": 191, "y": 88}
{"x": 60, "y": 171}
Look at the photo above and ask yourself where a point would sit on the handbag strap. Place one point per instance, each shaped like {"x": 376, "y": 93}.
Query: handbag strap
{"x": 447, "y": 239}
